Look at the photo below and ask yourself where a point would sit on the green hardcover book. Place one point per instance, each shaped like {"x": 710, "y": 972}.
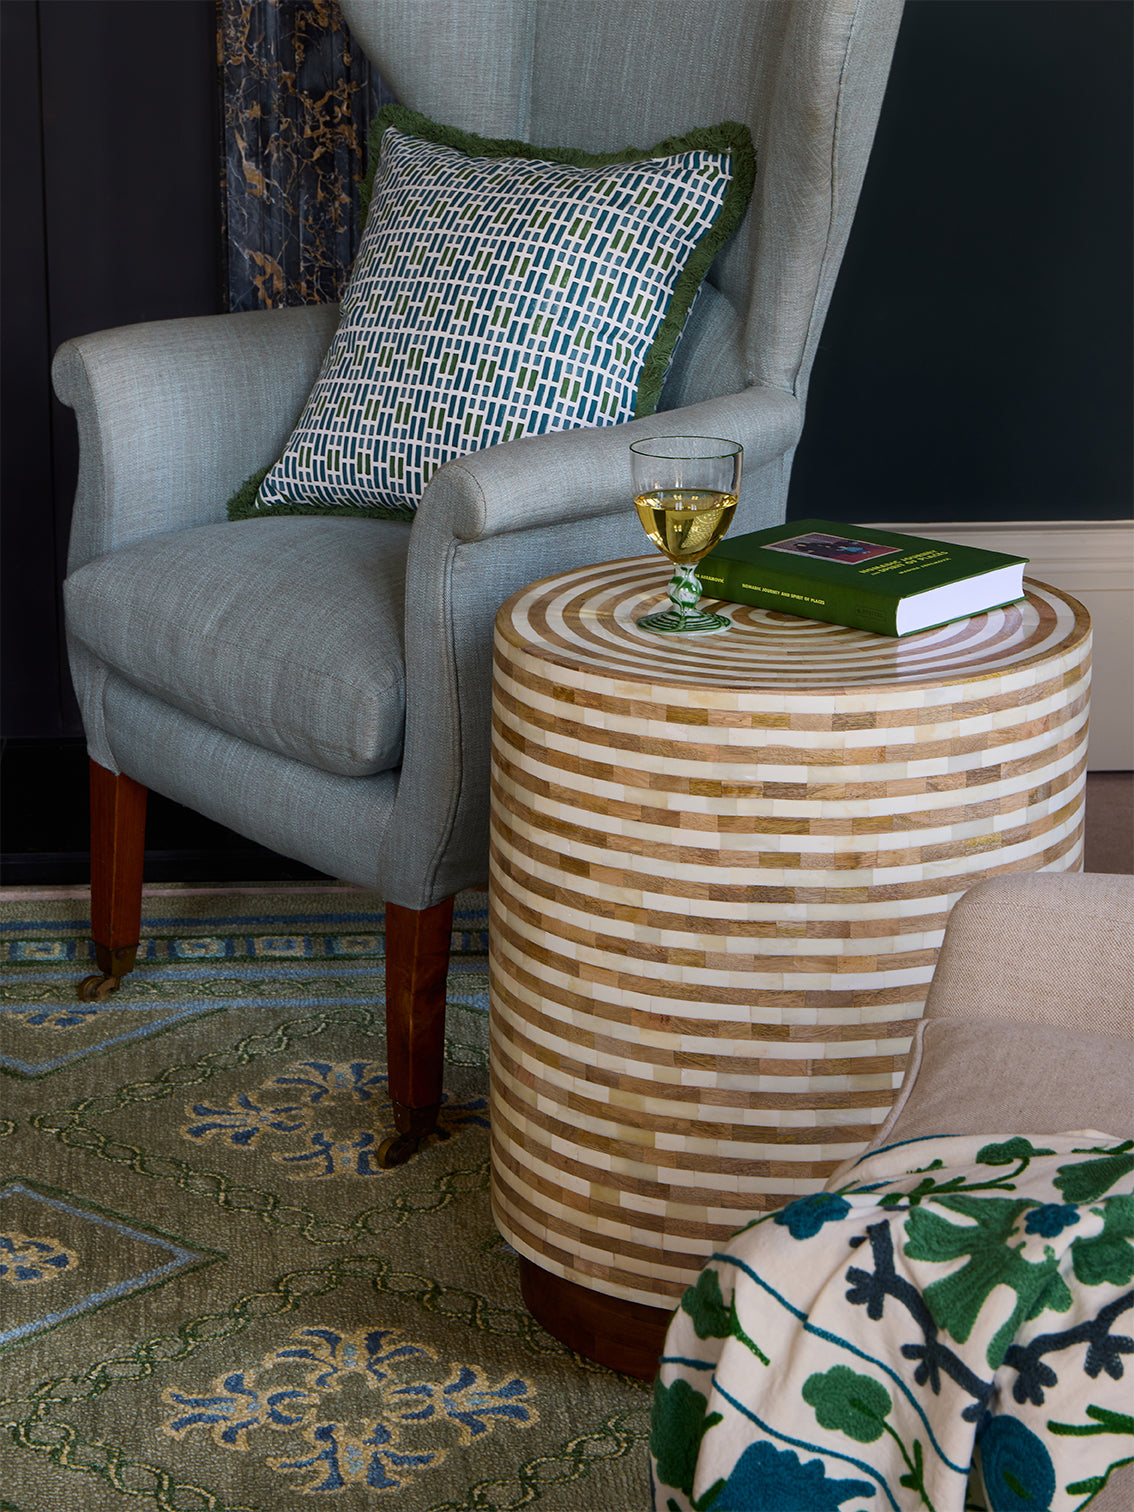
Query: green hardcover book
{"x": 853, "y": 575}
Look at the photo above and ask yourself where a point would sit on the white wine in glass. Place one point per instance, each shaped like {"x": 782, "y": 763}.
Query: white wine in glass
{"x": 685, "y": 492}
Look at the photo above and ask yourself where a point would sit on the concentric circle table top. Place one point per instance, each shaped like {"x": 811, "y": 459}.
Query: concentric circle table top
{"x": 585, "y": 621}
{"x": 720, "y": 872}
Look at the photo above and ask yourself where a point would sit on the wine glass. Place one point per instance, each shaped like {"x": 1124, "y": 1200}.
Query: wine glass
{"x": 685, "y": 492}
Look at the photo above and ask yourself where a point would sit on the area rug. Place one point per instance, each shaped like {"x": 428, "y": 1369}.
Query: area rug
{"x": 212, "y": 1296}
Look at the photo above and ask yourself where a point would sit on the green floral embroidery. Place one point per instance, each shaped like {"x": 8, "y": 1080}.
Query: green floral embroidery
{"x": 1090, "y": 1179}
{"x": 1010, "y": 1262}
{"x": 712, "y": 1317}
{"x": 848, "y": 1403}
{"x": 1010, "y": 1150}
{"x": 1104, "y": 1421}
{"x": 956, "y": 1300}
{"x": 858, "y": 1405}
{"x": 680, "y": 1421}
{"x": 1108, "y": 1256}
{"x": 1018, "y": 1151}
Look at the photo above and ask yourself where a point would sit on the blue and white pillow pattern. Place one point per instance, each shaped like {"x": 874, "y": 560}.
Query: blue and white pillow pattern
{"x": 501, "y": 291}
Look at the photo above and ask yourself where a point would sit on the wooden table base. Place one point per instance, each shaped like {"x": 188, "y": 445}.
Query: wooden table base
{"x": 627, "y": 1336}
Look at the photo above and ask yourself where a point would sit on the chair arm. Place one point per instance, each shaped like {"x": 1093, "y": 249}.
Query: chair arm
{"x": 579, "y": 474}
{"x": 488, "y": 524}
{"x": 173, "y": 415}
{"x": 1040, "y": 948}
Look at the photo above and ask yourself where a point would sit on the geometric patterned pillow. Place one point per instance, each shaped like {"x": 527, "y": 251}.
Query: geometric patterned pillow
{"x": 501, "y": 290}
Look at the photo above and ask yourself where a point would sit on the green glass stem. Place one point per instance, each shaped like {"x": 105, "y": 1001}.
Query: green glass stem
{"x": 684, "y": 591}
{"x": 685, "y": 618}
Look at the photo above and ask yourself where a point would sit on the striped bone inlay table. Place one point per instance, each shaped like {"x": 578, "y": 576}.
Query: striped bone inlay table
{"x": 721, "y": 869}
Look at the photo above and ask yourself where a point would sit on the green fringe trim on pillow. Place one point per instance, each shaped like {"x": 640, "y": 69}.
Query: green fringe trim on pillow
{"x": 734, "y": 138}
{"x": 242, "y": 505}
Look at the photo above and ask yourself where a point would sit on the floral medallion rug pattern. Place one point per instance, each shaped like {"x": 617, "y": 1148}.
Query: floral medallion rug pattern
{"x": 213, "y": 1299}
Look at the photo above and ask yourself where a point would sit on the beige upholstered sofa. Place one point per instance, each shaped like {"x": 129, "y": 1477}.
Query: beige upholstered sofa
{"x": 1029, "y": 1027}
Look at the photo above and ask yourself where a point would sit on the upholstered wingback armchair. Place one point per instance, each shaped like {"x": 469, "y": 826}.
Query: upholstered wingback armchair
{"x": 322, "y": 685}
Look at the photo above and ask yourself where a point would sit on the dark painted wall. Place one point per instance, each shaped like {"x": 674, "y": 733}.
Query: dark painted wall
{"x": 975, "y": 365}
{"x": 110, "y": 215}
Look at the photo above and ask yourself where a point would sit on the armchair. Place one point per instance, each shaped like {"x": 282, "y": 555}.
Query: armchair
{"x": 321, "y": 685}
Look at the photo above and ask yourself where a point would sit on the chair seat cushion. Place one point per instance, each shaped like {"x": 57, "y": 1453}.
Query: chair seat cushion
{"x": 285, "y": 632}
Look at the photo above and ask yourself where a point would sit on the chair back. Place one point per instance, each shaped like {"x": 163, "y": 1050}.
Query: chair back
{"x": 806, "y": 76}
{"x": 1041, "y": 948}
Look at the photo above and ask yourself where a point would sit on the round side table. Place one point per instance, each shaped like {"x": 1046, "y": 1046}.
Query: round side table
{"x": 720, "y": 873}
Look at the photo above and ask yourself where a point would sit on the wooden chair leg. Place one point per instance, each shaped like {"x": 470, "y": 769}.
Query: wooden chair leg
{"x": 118, "y": 844}
{"x": 417, "y": 969}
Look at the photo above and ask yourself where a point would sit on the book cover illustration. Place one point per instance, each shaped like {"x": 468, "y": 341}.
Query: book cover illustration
{"x": 832, "y": 548}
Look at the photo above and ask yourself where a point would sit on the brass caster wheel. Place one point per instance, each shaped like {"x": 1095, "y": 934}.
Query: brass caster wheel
{"x": 96, "y": 988}
{"x": 397, "y": 1149}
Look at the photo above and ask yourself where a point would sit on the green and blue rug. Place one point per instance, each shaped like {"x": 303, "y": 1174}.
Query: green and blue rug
{"x": 213, "y": 1300}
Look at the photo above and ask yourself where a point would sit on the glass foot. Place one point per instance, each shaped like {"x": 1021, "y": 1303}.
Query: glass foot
{"x": 673, "y": 622}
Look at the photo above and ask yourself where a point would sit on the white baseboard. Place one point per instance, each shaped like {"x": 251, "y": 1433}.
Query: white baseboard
{"x": 1093, "y": 560}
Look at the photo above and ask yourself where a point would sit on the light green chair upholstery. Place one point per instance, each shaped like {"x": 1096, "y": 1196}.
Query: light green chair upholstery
{"x": 322, "y": 685}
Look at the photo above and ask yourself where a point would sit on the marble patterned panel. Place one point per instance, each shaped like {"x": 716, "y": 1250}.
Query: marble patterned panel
{"x": 298, "y": 97}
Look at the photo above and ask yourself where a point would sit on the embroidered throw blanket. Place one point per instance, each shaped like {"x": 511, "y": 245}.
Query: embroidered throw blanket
{"x": 852, "y": 1350}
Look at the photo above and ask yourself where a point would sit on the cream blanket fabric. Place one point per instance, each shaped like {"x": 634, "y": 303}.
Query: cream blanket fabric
{"x": 852, "y": 1350}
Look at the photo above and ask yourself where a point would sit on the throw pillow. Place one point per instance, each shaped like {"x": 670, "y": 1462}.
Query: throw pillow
{"x": 501, "y": 290}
